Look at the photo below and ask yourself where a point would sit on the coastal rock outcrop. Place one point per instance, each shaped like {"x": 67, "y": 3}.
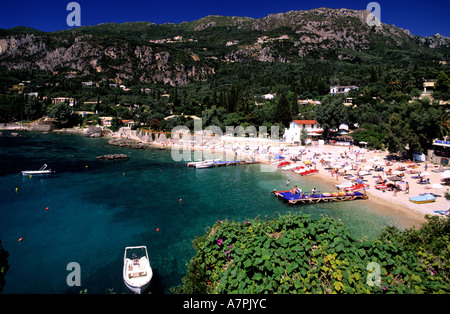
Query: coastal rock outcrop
{"x": 113, "y": 157}
{"x": 126, "y": 142}
{"x": 93, "y": 131}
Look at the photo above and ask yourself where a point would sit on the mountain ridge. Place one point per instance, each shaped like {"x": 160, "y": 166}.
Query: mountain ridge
{"x": 177, "y": 54}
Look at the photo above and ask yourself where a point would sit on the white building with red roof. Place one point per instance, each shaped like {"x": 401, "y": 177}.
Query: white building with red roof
{"x": 293, "y": 133}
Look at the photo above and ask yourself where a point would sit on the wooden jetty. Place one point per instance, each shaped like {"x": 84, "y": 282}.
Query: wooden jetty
{"x": 310, "y": 198}
{"x": 233, "y": 163}
{"x": 222, "y": 163}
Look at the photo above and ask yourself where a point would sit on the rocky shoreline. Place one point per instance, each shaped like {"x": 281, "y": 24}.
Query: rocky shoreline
{"x": 127, "y": 142}
{"x": 113, "y": 157}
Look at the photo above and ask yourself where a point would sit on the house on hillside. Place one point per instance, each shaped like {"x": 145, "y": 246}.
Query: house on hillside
{"x": 304, "y": 102}
{"x": 268, "y": 96}
{"x": 106, "y": 121}
{"x": 336, "y": 90}
{"x": 428, "y": 88}
{"x": 294, "y": 132}
{"x": 68, "y": 100}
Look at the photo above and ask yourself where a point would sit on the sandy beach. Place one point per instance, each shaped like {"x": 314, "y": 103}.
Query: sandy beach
{"x": 360, "y": 158}
{"x": 348, "y": 160}
{"x": 396, "y": 201}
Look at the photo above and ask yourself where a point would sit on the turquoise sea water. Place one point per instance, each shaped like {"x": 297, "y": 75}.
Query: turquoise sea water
{"x": 97, "y": 208}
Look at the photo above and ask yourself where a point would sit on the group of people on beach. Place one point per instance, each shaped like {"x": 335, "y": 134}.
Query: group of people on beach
{"x": 297, "y": 190}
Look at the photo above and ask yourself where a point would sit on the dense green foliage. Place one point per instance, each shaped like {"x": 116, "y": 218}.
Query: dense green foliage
{"x": 297, "y": 254}
{"x": 388, "y": 67}
{"x": 401, "y": 126}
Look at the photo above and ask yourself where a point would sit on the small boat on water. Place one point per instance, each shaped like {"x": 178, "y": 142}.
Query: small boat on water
{"x": 195, "y": 163}
{"x": 423, "y": 199}
{"x": 137, "y": 272}
{"x": 41, "y": 171}
{"x": 205, "y": 164}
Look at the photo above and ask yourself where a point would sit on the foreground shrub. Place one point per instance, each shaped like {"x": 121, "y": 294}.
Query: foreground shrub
{"x": 297, "y": 254}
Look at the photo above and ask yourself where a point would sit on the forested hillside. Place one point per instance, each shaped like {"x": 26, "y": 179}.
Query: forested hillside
{"x": 219, "y": 67}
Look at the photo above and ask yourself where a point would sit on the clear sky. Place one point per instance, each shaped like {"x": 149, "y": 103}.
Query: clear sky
{"x": 423, "y": 18}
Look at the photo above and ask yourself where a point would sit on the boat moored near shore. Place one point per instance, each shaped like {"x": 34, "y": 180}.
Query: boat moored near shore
{"x": 137, "y": 272}
{"x": 42, "y": 171}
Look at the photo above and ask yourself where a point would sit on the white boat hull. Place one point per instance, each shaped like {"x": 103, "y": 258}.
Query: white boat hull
{"x": 36, "y": 172}
{"x": 137, "y": 272}
{"x": 137, "y": 289}
{"x": 204, "y": 165}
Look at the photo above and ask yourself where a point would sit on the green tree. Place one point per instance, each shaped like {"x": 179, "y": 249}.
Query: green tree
{"x": 116, "y": 124}
{"x": 331, "y": 113}
{"x": 283, "y": 110}
{"x": 61, "y": 112}
{"x": 442, "y": 87}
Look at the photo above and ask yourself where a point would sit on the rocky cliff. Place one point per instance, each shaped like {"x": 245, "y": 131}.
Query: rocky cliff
{"x": 176, "y": 54}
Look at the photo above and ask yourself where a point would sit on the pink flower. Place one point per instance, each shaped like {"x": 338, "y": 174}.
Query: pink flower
{"x": 219, "y": 242}
{"x": 231, "y": 246}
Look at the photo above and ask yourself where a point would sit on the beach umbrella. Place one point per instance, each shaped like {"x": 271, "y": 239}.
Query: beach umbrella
{"x": 425, "y": 173}
{"x": 395, "y": 178}
{"x": 437, "y": 186}
{"x": 445, "y": 174}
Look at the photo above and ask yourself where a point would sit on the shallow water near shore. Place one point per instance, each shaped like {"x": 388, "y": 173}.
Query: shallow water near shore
{"x": 96, "y": 208}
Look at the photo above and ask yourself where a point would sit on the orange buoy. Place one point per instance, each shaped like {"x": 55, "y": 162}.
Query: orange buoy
{"x": 46, "y": 208}
{"x": 157, "y": 229}
{"x": 181, "y": 199}
{"x": 20, "y": 239}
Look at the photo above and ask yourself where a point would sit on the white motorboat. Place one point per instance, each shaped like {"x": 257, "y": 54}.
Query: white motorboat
{"x": 195, "y": 163}
{"x": 41, "y": 171}
{"x": 137, "y": 272}
{"x": 204, "y": 164}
